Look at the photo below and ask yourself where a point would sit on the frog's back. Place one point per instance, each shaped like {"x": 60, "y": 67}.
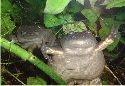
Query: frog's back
{"x": 34, "y": 34}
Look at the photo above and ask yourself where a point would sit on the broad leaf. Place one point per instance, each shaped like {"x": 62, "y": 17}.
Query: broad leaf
{"x": 74, "y": 7}
{"x": 6, "y": 6}
{"x": 35, "y": 2}
{"x": 55, "y": 6}
{"x": 93, "y": 27}
{"x": 37, "y": 6}
{"x": 120, "y": 16}
{"x": 106, "y": 2}
{"x": 53, "y": 20}
{"x": 90, "y": 14}
{"x": 115, "y": 3}
{"x": 106, "y": 25}
{"x": 103, "y": 32}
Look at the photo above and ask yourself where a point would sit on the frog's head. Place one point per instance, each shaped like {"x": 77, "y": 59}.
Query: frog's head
{"x": 85, "y": 42}
{"x": 78, "y": 43}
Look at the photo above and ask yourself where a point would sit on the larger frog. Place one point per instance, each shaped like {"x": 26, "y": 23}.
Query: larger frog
{"x": 79, "y": 57}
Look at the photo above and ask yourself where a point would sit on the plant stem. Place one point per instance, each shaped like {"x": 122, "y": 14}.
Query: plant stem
{"x": 25, "y": 55}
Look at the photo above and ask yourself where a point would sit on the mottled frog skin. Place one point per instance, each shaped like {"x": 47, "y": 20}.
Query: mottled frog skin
{"x": 28, "y": 35}
{"x": 78, "y": 59}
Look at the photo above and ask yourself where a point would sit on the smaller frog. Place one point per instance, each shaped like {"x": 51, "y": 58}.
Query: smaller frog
{"x": 75, "y": 60}
{"x": 32, "y": 36}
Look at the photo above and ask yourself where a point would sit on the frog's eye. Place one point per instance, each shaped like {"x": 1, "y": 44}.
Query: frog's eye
{"x": 46, "y": 43}
{"x": 23, "y": 33}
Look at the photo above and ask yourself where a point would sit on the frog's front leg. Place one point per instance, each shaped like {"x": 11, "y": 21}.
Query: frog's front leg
{"x": 54, "y": 51}
{"x": 46, "y": 51}
{"x": 108, "y": 40}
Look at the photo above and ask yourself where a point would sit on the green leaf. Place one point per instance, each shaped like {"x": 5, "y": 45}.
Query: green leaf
{"x": 105, "y": 82}
{"x": 122, "y": 40}
{"x": 7, "y": 25}
{"x": 17, "y": 13}
{"x": 90, "y": 14}
{"x": 104, "y": 31}
{"x": 75, "y": 27}
{"x": 35, "y": 81}
{"x": 2, "y": 79}
{"x": 6, "y": 6}
{"x": 66, "y": 17}
{"x": 106, "y": 2}
{"x": 37, "y": 6}
{"x": 120, "y": 16}
{"x": 106, "y": 25}
{"x": 53, "y": 20}
{"x": 55, "y": 6}
{"x": 114, "y": 44}
{"x": 34, "y": 2}
{"x": 93, "y": 27}
{"x": 74, "y": 7}
{"x": 115, "y": 3}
